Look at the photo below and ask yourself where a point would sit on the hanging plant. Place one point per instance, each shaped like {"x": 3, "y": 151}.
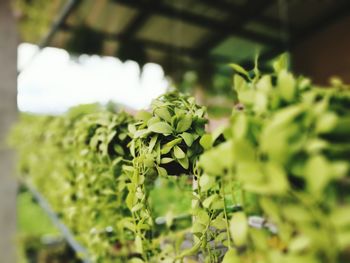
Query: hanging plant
{"x": 272, "y": 186}
{"x": 279, "y": 171}
{"x": 164, "y": 142}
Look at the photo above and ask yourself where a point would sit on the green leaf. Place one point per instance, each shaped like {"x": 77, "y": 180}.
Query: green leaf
{"x": 130, "y": 200}
{"x": 220, "y": 238}
{"x": 264, "y": 84}
{"x": 326, "y": 122}
{"x": 190, "y": 251}
{"x": 111, "y": 136}
{"x": 163, "y": 113}
{"x": 168, "y": 146}
{"x": 152, "y": 143}
{"x": 138, "y": 244}
{"x": 340, "y": 216}
{"x": 143, "y": 115}
{"x": 198, "y": 228}
{"x": 218, "y": 159}
{"x": 256, "y": 67}
{"x": 166, "y": 160}
{"x": 243, "y": 151}
{"x": 217, "y": 132}
{"x": 281, "y": 63}
{"x": 153, "y": 120}
{"x": 206, "y": 141}
{"x": 206, "y": 182}
{"x": 141, "y": 133}
{"x": 149, "y": 160}
{"x": 239, "y": 69}
{"x": 122, "y": 136}
{"x": 118, "y": 149}
{"x": 162, "y": 171}
{"x": 184, "y": 124}
{"x": 299, "y": 243}
{"x": 209, "y": 200}
{"x": 202, "y": 217}
{"x": 286, "y": 85}
{"x": 188, "y": 138}
{"x": 240, "y": 126}
{"x": 178, "y": 152}
{"x": 270, "y": 208}
{"x": 231, "y": 257}
{"x": 158, "y": 153}
{"x": 131, "y": 128}
{"x": 137, "y": 207}
{"x": 128, "y": 224}
{"x": 277, "y": 177}
{"x": 200, "y": 112}
{"x": 161, "y": 127}
{"x": 239, "y": 228}
{"x": 239, "y": 84}
{"x": 219, "y": 223}
{"x": 132, "y": 148}
{"x": 318, "y": 173}
{"x": 184, "y": 162}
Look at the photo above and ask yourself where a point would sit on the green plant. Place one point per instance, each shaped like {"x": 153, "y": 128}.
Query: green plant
{"x": 35, "y": 17}
{"x": 81, "y": 162}
{"x": 285, "y": 158}
{"x": 75, "y": 161}
{"x": 272, "y": 186}
{"x": 164, "y": 142}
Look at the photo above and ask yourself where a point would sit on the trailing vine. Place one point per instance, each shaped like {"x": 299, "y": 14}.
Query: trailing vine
{"x": 272, "y": 186}
{"x": 279, "y": 167}
{"x": 164, "y": 142}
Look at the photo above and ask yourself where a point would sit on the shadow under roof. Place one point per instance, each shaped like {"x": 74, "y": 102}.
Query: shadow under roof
{"x": 196, "y": 31}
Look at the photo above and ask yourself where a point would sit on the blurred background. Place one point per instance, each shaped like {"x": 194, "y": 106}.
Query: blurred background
{"x": 132, "y": 51}
{"x": 60, "y": 53}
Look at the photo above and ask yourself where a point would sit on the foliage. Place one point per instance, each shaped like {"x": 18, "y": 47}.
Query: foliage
{"x": 270, "y": 187}
{"x": 32, "y": 220}
{"x": 35, "y": 17}
{"x": 285, "y": 157}
{"x": 38, "y": 240}
{"x": 76, "y": 161}
{"x": 164, "y": 142}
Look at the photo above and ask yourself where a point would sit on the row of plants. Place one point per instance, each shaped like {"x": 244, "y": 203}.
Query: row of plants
{"x": 269, "y": 187}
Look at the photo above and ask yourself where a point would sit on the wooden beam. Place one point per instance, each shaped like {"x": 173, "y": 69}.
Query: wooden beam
{"x": 239, "y": 10}
{"x": 236, "y": 25}
{"x": 199, "y": 20}
{"x": 134, "y": 26}
{"x": 69, "y": 7}
{"x": 66, "y": 11}
{"x": 156, "y": 45}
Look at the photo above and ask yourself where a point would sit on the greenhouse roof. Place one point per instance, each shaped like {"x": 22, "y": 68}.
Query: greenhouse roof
{"x": 192, "y": 32}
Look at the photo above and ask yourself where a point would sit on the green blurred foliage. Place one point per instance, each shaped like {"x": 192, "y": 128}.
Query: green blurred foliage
{"x": 272, "y": 186}
{"x": 285, "y": 150}
{"x": 35, "y": 17}
{"x": 37, "y": 238}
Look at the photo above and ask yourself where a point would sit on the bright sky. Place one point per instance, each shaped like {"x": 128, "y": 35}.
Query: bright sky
{"x": 53, "y": 81}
